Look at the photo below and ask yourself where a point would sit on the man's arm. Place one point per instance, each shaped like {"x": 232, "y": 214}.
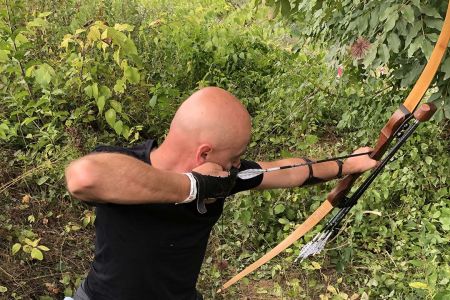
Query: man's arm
{"x": 295, "y": 177}
{"x": 122, "y": 179}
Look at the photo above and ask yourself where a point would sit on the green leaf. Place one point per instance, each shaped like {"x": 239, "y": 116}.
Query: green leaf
{"x": 88, "y": 91}
{"x": 116, "y": 105}
{"x": 29, "y": 71}
{"x": 95, "y": 91}
{"x": 110, "y": 116}
{"x": 43, "y": 75}
{"x": 122, "y": 41}
{"x": 428, "y": 160}
{"x": 311, "y": 139}
{"x": 42, "y": 180}
{"x": 37, "y": 254}
{"x": 427, "y": 48}
{"x": 118, "y": 127}
{"x": 27, "y": 121}
{"x": 444, "y": 295}
{"x": 101, "y": 103}
{"x": 371, "y": 55}
{"x": 152, "y": 101}
{"x": 413, "y": 30}
{"x": 44, "y": 14}
{"x": 279, "y": 208}
{"x": 445, "y": 67}
{"x": 389, "y": 11}
{"x": 434, "y": 23}
{"x": 132, "y": 74}
{"x": 4, "y": 55}
{"x": 126, "y": 132}
{"x": 38, "y": 22}
{"x": 415, "y": 45}
{"x": 383, "y": 52}
{"x": 283, "y": 221}
{"x": 119, "y": 87}
{"x": 3, "y": 289}
{"x": 390, "y": 23}
{"x": 418, "y": 285}
{"x": 374, "y": 17}
{"x": 94, "y": 34}
{"x": 394, "y": 42}
{"x": 411, "y": 75}
{"x": 43, "y": 248}
{"x": 15, "y": 248}
{"x": 444, "y": 219}
{"x": 124, "y": 27}
{"x": 105, "y": 92}
{"x": 408, "y": 13}
{"x": 3, "y": 130}
{"x": 430, "y": 11}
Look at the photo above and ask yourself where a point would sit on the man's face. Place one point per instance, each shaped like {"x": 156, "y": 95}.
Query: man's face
{"x": 228, "y": 157}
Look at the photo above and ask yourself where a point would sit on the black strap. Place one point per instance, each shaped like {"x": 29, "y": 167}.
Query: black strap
{"x": 340, "y": 164}
{"x": 314, "y": 180}
{"x": 311, "y": 179}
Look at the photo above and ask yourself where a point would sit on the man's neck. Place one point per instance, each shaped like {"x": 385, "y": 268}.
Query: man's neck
{"x": 163, "y": 159}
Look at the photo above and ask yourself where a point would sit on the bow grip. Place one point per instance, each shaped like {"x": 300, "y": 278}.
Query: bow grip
{"x": 387, "y": 134}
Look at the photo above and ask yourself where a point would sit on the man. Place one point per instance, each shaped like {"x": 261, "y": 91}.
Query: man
{"x": 156, "y": 205}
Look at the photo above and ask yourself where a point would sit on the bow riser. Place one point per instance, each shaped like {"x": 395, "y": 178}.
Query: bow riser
{"x": 386, "y": 136}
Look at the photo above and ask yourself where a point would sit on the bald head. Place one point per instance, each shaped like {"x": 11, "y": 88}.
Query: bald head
{"x": 211, "y": 117}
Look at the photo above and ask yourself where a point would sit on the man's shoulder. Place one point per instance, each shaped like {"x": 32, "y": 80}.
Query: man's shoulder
{"x": 140, "y": 151}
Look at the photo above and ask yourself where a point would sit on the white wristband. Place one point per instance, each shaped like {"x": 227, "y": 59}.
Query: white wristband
{"x": 193, "y": 191}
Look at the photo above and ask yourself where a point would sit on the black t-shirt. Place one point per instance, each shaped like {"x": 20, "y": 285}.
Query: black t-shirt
{"x": 152, "y": 251}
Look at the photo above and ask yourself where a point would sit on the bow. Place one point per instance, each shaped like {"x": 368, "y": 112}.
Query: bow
{"x": 337, "y": 197}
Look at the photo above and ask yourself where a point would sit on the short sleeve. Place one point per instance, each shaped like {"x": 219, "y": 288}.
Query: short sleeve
{"x": 247, "y": 184}
{"x": 139, "y": 151}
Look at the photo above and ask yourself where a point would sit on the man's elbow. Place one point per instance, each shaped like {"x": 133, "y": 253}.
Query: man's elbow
{"x": 80, "y": 178}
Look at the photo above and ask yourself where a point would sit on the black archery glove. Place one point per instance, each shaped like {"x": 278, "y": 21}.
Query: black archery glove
{"x": 213, "y": 187}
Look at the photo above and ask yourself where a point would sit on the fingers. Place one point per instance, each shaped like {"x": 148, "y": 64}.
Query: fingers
{"x": 211, "y": 169}
{"x": 363, "y": 149}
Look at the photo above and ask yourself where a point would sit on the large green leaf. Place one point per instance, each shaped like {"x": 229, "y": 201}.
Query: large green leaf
{"x": 408, "y": 13}
{"x": 132, "y": 74}
{"x": 120, "y": 39}
{"x": 15, "y": 248}
{"x": 4, "y": 55}
{"x": 43, "y": 75}
{"x": 118, "y": 126}
{"x": 116, "y": 105}
{"x": 110, "y": 116}
{"x": 120, "y": 85}
{"x": 394, "y": 42}
{"x": 101, "y": 103}
{"x": 37, "y": 254}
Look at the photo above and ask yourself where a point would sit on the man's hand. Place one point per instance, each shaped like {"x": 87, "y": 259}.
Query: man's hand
{"x": 212, "y": 182}
{"x": 359, "y": 164}
{"x": 212, "y": 169}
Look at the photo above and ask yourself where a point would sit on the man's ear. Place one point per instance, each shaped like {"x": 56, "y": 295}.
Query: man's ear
{"x": 202, "y": 153}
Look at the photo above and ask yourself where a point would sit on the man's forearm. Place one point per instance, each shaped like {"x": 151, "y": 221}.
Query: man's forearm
{"x": 294, "y": 177}
{"x": 119, "y": 178}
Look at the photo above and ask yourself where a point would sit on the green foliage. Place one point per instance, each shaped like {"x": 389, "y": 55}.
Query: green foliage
{"x": 396, "y": 37}
{"x": 74, "y": 74}
{"x": 31, "y": 247}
